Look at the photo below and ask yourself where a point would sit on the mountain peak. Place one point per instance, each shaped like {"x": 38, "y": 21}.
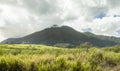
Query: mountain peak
{"x": 61, "y": 27}
{"x": 63, "y": 35}
{"x": 54, "y": 26}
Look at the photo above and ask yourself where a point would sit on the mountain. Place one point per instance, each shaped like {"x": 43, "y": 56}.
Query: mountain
{"x": 64, "y": 35}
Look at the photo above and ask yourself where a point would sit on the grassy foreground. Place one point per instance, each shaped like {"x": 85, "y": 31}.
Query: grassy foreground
{"x": 24, "y": 57}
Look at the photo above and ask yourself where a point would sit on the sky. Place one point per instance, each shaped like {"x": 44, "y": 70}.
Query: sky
{"x": 22, "y": 17}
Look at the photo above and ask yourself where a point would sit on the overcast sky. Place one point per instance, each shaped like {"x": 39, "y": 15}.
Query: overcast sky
{"x": 21, "y": 17}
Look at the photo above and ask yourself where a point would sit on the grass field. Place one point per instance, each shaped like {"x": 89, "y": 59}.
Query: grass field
{"x": 25, "y": 57}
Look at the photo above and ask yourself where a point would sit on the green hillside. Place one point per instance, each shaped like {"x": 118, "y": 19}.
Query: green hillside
{"x": 27, "y": 57}
{"x": 64, "y": 35}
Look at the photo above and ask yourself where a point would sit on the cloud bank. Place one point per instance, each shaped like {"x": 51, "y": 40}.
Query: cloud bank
{"x": 21, "y": 17}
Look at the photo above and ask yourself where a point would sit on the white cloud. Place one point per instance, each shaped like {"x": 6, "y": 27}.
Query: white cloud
{"x": 106, "y": 26}
{"x": 13, "y": 20}
{"x": 21, "y": 17}
{"x": 1, "y": 38}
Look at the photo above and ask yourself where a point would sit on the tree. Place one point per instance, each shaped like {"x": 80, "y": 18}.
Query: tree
{"x": 54, "y": 26}
{"x": 86, "y": 45}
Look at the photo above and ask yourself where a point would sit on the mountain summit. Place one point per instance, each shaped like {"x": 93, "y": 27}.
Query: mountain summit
{"x": 65, "y": 35}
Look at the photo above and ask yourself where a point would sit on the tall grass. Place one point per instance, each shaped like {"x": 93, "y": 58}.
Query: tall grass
{"x": 47, "y": 58}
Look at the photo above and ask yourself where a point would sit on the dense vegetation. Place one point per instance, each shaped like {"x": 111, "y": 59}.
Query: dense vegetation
{"x": 24, "y": 57}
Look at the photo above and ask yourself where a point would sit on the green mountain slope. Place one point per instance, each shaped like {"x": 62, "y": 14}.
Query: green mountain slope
{"x": 64, "y": 34}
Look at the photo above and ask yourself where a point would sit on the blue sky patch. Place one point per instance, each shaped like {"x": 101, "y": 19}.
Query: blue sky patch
{"x": 101, "y": 15}
{"x": 118, "y": 31}
{"x": 87, "y": 30}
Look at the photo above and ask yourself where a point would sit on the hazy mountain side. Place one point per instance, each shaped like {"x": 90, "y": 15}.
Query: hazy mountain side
{"x": 102, "y": 37}
{"x": 13, "y": 41}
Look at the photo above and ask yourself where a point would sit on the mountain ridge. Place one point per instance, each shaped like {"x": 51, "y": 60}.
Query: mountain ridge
{"x": 55, "y": 35}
